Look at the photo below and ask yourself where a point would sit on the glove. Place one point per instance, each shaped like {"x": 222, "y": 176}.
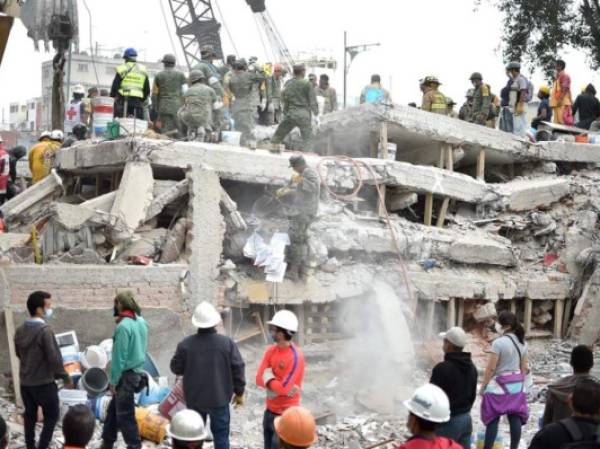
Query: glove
{"x": 520, "y": 109}
{"x": 268, "y": 374}
{"x": 217, "y": 105}
{"x": 280, "y": 194}
{"x": 238, "y": 401}
{"x": 296, "y": 178}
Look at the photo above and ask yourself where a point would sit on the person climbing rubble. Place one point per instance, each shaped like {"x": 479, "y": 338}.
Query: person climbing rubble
{"x": 457, "y": 376}
{"x": 40, "y": 365}
{"x": 209, "y": 391}
{"x": 303, "y": 194}
{"x": 187, "y": 430}
{"x": 42, "y": 155}
{"x": 127, "y": 376}
{"x": 428, "y": 407}
{"x": 296, "y": 429}
{"x": 281, "y": 373}
{"x": 558, "y": 398}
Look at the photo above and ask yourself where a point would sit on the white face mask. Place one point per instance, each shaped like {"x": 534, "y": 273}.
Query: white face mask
{"x": 498, "y": 328}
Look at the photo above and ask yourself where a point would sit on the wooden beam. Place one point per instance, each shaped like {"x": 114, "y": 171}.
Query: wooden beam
{"x": 461, "y": 312}
{"x": 567, "y": 315}
{"x": 301, "y": 311}
{"x": 430, "y": 318}
{"x": 527, "y": 315}
{"x": 559, "y": 309}
{"x": 451, "y": 313}
{"x": 428, "y": 208}
{"x": 383, "y": 140}
{"x": 481, "y": 165}
{"x": 443, "y": 210}
{"x": 14, "y": 360}
{"x": 450, "y": 158}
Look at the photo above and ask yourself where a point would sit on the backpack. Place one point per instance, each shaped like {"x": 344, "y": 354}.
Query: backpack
{"x": 577, "y": 437}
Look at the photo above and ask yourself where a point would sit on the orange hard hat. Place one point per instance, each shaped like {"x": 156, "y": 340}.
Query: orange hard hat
{"x": 278, "y": 68}
{"x": 297, "y": 427}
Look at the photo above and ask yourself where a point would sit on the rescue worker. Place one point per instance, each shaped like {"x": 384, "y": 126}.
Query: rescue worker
{"x": 15, "y": 155}
{"x": 328, "y": 93}
{"x": 88, "y": 107}
{"x": 228, "y": 66}
{"x": 198, "y": 103}
{"x": 544, "y": 112}
{"x": 433, "y": 100}
{"x": 4, "y": 171}
{"x": 299, "y": 106}
{"x": 274, "y": 85}
{"x": 302, "y": 194}
{"x": 427, "y": 409}
{"x": 42, "y": 155}
{"x": 79, "y": 133}
{"x": 560, "y": 97}
{"x": 281, "y": 373}
{"x": 466, "y": 109}
{"x": 213, "y": 78}
{"x": 482, "y": 100}
{"x": 74, "y": 110}
{"x": 209, "y": 391}
{"x": 296, "y": 428}
{"x": 130, "y": 86}
{"x": 374, "y": 93}
{"x": 127, "y": 377}
{"x": 167, "y": 91}
{"x": 243, "y": 84}
{"x": 312, "y": 79}
{"x": 187, "y": 430}
{"x": 517, "y": 93}
{"x": 451, "y": 103}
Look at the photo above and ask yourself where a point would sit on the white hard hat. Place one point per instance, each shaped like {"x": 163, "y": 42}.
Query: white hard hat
{"x": 79, "y": 89}
{"x": 455, "y": 335}
{"x": 286, "y": 320}
{"x": 187, "y": 425}
{"x": 206, "y": 316}
{"x": 430, "y": 403}
{"x": 57, "y": 134}
{"x": 44, "y": 134}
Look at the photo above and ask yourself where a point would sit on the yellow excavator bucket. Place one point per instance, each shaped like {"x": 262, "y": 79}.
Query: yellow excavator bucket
{"x": 6, "y": 23}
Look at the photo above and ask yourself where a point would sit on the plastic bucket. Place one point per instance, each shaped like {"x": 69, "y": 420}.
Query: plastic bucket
{"x": 94, "y": 381}
{"x": 132, "y": 126}
{"x": 231, "y": 137}
{"x": 154, "y": 394}
{"x": 151, "y": 427}
{"x": 94, "y": 357}
{"x": 99, "y": 406}
{"x": 174, "y": 402}
{"x": 107, "y": 345}
{"x": 69, "y": 398}
{"x": 103, "y": 111}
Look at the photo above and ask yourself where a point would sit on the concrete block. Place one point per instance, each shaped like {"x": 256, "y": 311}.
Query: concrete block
{"x": 133, "y": 199}
{"x": 485, "y": 311}
{"x": 528, "y": 194}
{"x": 479, "y": 250}
{"x": 10, "y": 240}
{"x": 72, "y": 217}
{"x": 396, "y": 201}
{"x": 48, "y": 188}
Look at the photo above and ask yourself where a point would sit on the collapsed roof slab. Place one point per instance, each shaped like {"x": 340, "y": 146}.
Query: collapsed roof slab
{"x": 263, "y": 167}
{"x": 419, "y": 135}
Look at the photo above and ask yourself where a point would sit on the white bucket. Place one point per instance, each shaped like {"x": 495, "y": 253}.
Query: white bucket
{"x": 132, "y": 126}
{"x": 99, "y": 406}
{"x": 107, "y": 345}
{"x": 103, "y": 112}
{"x": 231, "y": 137}
{"x": 94, "y": 357}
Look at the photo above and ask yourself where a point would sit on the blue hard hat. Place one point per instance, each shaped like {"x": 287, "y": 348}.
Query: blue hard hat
{"x": 130, "y": 53}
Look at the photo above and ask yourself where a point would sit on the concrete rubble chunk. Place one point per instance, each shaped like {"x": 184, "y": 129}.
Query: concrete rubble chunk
{"x": 232, "y": 213}
{"x": 396, "y": 201}
{"x": 166, "y": 197}
{"x": 528, "y": 194}
{"x": 584, "y": 327}
{"x": 133, "y": 199}
{"x": 9, "y": 241}
{"x": 485, "y": 311}
{"x": 477, "y": 250}
{"x": 44, "y": 191}
{"x": 103, "y": 203}
{"x": 72, "y": 217}
{"x": 172, "y": 248}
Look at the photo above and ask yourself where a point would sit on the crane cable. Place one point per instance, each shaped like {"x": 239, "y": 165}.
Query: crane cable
{"x": 93, "y": 57}
{"x": 164, "y": 14}
{"x": 226, "y": 28}
{"x": 381, "y": 202}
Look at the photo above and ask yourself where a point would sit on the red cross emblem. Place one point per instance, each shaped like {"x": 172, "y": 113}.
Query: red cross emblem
{"x": 71, "y": 113}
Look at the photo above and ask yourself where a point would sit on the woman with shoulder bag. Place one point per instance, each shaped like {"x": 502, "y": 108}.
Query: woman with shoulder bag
{"x": 503, "y": 387}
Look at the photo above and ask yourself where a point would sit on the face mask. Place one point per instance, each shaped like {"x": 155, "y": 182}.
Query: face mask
{"x": 48, "y": 313}
{"x": 498, "y": 328}
{"x": 273, "y": 337}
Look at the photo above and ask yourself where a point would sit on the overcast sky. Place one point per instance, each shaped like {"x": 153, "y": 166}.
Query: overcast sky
{"x": 447, "y": 38}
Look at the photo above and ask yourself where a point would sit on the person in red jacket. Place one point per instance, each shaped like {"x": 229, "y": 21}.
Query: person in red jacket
{"x": 428, "y": 408}
{"x": 281, "y": 373}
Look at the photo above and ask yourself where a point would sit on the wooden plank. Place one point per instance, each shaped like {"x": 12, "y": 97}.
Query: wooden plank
{"x": 260, "y": 325}
{"x": 381, "y": 210}
{"x": 383, "y": 140}
{"x": 461, "y": 312}
{"x": 301, "y": 311}
{"x": 14, "y": 360}
{"x": 428, "y": 208}
{"x": 481, "y": 165}
{"x": 430, "y": 317}
{"x": 527, "y": 315}
{"x": 443, "y": 210}
{"x": 442, "y": 159}
{"x": 559, "y": 309}
{"x": 450, "y": 158}
{"x": 451, "y": 313}
{"x": 567, "y": 315}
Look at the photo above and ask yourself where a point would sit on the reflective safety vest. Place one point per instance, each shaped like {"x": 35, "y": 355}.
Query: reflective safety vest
{"x": 133, "y": 77}
{"x": 439, "y": 105}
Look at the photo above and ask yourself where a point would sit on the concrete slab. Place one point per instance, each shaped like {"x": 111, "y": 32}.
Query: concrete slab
{"x": 72, "y": 217}
{"x": 482, "y": 251}
{"x": 10, "y": 240}
{"x": 529, "y": 194}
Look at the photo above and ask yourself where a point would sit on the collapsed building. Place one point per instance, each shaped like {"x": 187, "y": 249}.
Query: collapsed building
{"x": 459, "y": 220}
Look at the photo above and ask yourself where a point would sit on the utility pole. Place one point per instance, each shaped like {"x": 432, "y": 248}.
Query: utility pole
{"x": 353, "y": 51}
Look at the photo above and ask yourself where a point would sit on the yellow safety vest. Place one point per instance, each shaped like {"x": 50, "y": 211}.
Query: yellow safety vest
{"x": 133, "y": 77}
{"x": 439, "y": 105}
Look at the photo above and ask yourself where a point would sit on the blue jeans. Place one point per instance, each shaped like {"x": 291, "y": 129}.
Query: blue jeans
{"x": 459, "y": 429}
{"x": 270, "y": 436}
{"x": 121, "y": 413}
{"x": 491, "y": 432}
{"x": 219, "y": 424}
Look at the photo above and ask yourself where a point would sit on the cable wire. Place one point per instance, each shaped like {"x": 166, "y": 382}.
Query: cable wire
{"x": 92, "y": 44}
{"x": 164, "y": 14}
{"x": 226, "y": 27}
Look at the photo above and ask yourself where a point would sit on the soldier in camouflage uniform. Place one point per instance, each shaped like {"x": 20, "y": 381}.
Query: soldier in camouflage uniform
{"x": 213, "y": 78}
{"x": 198, "y": 103}
{"x": 241, "y": 85}
{"x": 328, "y": 93}
{"x": 274, "y": 84}
{"x": 303, "y": 193}
{"x": 299, "y": 102}
{"x": 465, "y": 111}
{"x": 482, "y": 100}
{"x": 167, "y": 95}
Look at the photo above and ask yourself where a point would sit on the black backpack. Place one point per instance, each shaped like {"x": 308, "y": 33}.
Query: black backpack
{"x": 578, "y": 440}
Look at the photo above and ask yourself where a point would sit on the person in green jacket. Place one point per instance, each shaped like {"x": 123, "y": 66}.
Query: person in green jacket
{"x": 127, "y": 377}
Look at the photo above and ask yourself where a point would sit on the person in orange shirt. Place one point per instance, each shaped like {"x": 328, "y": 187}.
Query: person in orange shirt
{"x": 78, "y": 427}
{"x": 560, "y": 97}
{"x": 281, "y": 373}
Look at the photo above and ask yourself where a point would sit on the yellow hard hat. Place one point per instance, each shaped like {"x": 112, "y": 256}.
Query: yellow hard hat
{"x": 583, "y": 88}
{"x": 545, "y": 90}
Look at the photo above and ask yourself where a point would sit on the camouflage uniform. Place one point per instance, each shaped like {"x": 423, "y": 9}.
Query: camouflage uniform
{"x": 167, "y": 97}
{"x": 330, "y": 96}
{"x": 299, "y": 101}
{"x": 196, "y": 112}
{"x": 273, "y": 100}
{"x": 241, "y": 84}
{"x": 213, "y": 79}
{"x": 305, "y": 200}
{"x": 482, "y": 103}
